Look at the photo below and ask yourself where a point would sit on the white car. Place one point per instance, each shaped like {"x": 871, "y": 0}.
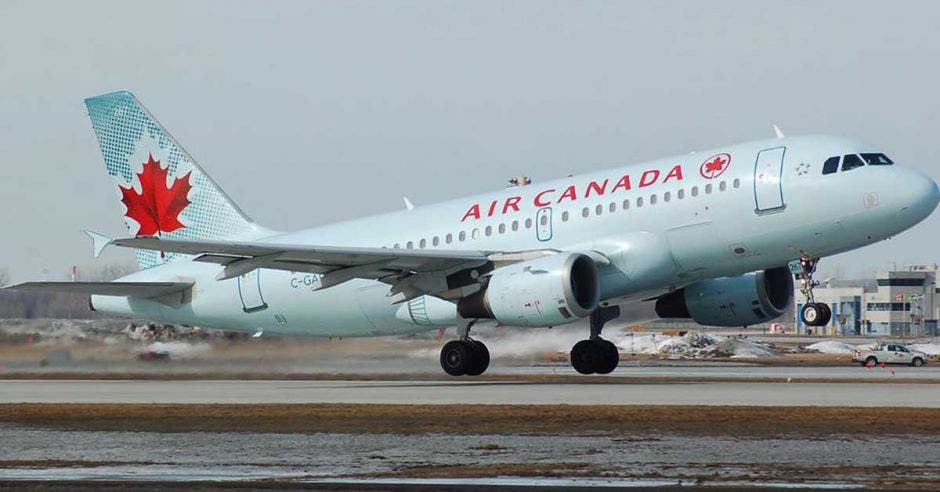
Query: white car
{"x": 890, "y": 353}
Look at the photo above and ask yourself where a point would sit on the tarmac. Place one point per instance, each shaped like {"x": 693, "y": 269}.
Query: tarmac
{"x": 592, "y": 391}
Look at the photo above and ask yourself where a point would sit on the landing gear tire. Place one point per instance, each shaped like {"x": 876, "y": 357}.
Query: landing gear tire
{"x": 816, "y": 314}
{"x": 595, "y": 356}
{"x": 465, "y": 358}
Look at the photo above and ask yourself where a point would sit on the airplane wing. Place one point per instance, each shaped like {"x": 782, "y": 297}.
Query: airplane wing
{"x": 145, "y": 290}
{"x": 448, "y": 274}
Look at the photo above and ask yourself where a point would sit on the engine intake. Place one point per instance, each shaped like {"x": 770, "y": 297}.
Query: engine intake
{"x": 731, "y": 301}
{"x": 546, "y": 291}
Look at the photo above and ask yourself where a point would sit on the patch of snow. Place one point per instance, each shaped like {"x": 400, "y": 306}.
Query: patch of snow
{"x": 930, "y": 348}
{"x": 832, "y": 347}
{"x": 178, "y": 350}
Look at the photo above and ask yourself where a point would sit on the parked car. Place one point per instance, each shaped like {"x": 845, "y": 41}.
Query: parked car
{"x": 890, "y": 353}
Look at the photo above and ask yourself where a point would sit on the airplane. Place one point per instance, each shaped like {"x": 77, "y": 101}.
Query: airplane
{"x": 715, "y": 236}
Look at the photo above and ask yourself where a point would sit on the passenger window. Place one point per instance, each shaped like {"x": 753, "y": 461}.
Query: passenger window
{"x": 680, "y": 194}
{"x": 626, "y": 204}
{"x": 722, "y": 186}
{"x": 489, "y": 230}
{"x": 831, "y": 165}
{"x": 666, "y": 196}
{"x": 462, "y": 236}
{"x": 598, "y": 210}
{"x": 544, "y": 219}
{"x": 639, "y": 202}
{"x": 475, "y": 234}
{"x": 585, "y": 212}
{"x": 409, "y": 245}
{"x": 502, "y": 228}
{"x": 612, "y": 207}
{"x": 528, "y": 223}
{"x": 708, "y": 188}
{"x": 515, "y": 225}
{"x": 851, "y": 161}
{"x": 564, "y": 216}
{"x": 695, "y": 191}
{"x": 652, "y": 199}
{"x": 397, "y": 246}
{"x": 877, "y": 160}
{"x": 449, "y": 238}
{"x": 435, "y": 241}
{"x": 736, "y": 183}
{"x": 422, "y": 243}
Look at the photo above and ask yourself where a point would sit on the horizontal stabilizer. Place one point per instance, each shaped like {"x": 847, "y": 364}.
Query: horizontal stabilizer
{"x": 144, "y": 290}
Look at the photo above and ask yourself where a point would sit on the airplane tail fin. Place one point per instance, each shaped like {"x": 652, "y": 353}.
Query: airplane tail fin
{"x": 162, "y": 190}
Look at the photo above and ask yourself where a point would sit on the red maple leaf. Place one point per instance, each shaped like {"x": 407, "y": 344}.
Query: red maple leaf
{"x": 716, "y": 165}
{"x": 156, "y": 208}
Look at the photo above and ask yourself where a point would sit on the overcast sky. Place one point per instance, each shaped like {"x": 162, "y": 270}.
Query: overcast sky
{"x": 313, "y": 112}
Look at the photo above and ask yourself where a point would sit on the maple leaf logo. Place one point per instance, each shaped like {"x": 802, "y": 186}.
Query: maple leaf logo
{"x": 156, "y": 208}
{"x": 714, "y": 166}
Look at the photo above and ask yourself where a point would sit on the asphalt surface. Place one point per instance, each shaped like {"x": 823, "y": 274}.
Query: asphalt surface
{"x": 467, "y": 391}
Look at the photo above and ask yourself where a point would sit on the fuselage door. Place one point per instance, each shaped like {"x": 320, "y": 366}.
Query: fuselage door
{"x": 543, "y": 224}
{"x": 768, "y": 182}
{"x": 249, "y": 290}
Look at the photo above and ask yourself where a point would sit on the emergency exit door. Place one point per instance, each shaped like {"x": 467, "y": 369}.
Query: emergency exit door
{"x": 768, "y": 182}
{"x": 543, "y": 224}
{"x": 249, "y": 290}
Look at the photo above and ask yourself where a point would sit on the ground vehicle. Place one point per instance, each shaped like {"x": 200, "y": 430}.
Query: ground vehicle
{"x": 890, "y": 353}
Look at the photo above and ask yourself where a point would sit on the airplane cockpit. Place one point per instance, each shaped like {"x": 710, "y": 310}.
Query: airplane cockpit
{"x": 852, "y": 161}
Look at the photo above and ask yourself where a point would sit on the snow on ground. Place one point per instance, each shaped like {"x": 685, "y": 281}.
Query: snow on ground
{"x": 831, "y": 347}
{"x": 178, "y": 350}
{"x": 929, "y": 348}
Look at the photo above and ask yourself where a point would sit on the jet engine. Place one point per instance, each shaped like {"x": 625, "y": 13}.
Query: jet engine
{"x": 731, "y": 301}
{"x": 552, "y": 290}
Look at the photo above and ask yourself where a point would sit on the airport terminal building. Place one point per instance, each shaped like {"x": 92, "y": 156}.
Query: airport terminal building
{"x": 895, "y": 303}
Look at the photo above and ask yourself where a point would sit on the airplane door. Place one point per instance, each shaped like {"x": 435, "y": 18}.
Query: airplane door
{"x": 249, "y": 290}
{"x": 768, "y": 185}
{"x": 543, "y": 224}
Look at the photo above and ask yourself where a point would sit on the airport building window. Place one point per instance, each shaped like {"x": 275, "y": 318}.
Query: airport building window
{"x": 851, "y": 161}
{"x": 598, "y": 210}
{"x": 449, "y": 238}
{"x": 831, "y": 165}
{"x": 462, "y": 236}
{"x": 695, "y": 191}
{"x": 613, "y": 207}
{"x": 585, "y": 212}
{"x": 736, "y": 183}
{"x": 564, "y": 216}
{"x": 502, "y": 228}
{"x": 889, "y": 306}
{"x": 626, "y": 204}
{"x": 680, "y": 194}
{"x": 877, "y": 160}
{"x": 666, "y": 196}
{"x": 422, "y": 243}
{"x": 528, "y": 223}
{"x": 489, "y": 230}
{"x": 708, "y": 188}
{"x": 515, "y": 225}
{"x": 900, "y": 282}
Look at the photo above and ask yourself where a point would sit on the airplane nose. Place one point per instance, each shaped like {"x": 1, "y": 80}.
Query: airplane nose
{"x": 924, "y": 194}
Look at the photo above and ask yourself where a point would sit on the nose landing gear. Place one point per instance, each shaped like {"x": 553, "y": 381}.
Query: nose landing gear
{"x": 813, "y": 313}
{"x": 466, "y": 356}
{"x": 596, "y": 355}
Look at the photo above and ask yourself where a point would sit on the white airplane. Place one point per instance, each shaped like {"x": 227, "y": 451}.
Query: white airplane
{"x": 716, "y": 236}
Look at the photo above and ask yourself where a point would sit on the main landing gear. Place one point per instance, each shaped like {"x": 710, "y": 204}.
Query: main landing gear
{"x": 596, "y": 355}
{"x": 813, "y": 313}
{"x": 465, "y": 357}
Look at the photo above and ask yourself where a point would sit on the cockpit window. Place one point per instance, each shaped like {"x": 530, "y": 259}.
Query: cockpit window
{"x": 851, "y": 161}
{"x": 831, "y": 165}
{"x": 877, "y": 160}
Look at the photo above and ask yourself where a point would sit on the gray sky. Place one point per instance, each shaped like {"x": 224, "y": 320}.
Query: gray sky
{"x": 312, "y": 112}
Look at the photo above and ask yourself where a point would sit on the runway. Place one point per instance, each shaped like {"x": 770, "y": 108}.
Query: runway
{"x": 590, "y": 392}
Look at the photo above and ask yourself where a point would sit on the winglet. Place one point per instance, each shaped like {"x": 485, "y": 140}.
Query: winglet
{"x": 99, "y": 241}
{"x": 778, "y": 132}
{"x": 408, "y": 204}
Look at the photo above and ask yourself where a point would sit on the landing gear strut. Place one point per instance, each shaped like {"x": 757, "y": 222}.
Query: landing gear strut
{"x": 596, "y": 355}
{"x": 813, "y": 313}
{"x": 466, "y": 356}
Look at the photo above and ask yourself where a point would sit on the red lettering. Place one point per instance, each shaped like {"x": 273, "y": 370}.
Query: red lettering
{"x": 538, "y": 198}
{"x": 653, "y": 174}
{"x": 598, "y": 188}
{"x": 676, "y": 172}
{"x": 473, "y": 212}
{"x": 623, "y": 183}
{"x": 570, "y": 193}
{"x": 492, "y": 209}
{"x": 511, "y": 202}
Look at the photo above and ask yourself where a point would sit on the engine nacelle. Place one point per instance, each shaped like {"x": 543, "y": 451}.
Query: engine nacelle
{"x": 547, "y": 291}
{"x": 731, "y": 301}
